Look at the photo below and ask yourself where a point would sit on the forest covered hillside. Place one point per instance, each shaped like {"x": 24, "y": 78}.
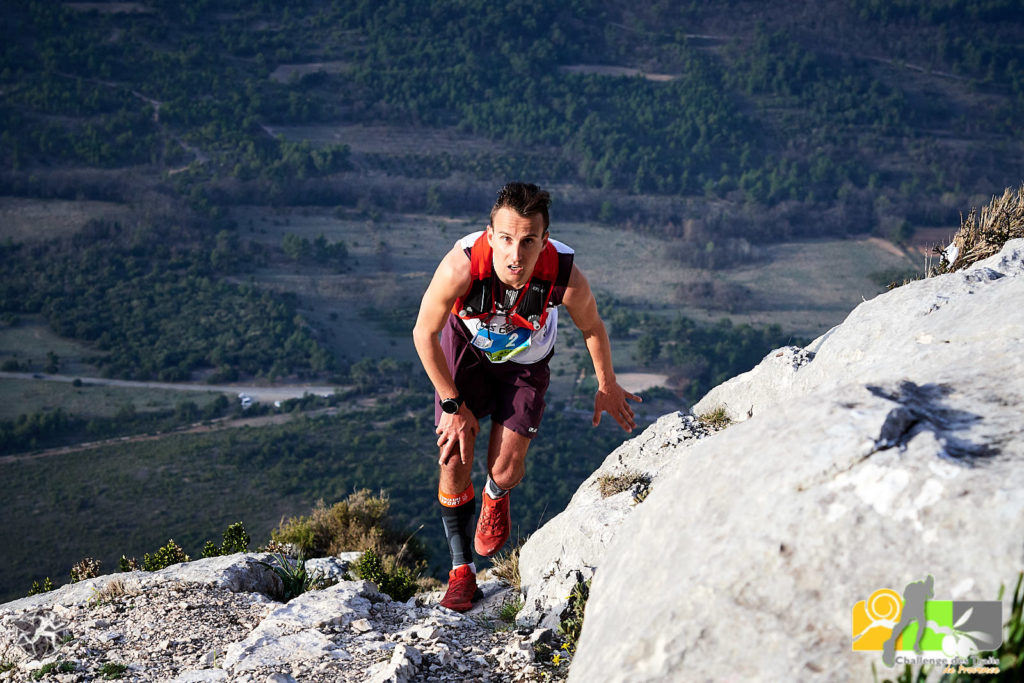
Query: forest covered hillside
{"x": 254, "y": 194}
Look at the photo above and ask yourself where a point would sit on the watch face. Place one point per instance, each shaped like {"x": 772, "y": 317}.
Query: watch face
{"x": 450, "y": 406}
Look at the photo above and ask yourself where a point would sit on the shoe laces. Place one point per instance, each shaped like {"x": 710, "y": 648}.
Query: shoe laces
{"x": 461, "y": 583}
{"x": 491, "y": 518}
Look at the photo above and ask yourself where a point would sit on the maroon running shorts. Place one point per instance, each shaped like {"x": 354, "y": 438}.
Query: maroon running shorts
{"x": 512, "y": 394}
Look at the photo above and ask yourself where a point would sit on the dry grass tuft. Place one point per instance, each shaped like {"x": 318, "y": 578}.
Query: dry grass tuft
{"x": 112, "y": 591}
{"x": 505, "y": 566}
{"x": 610, "y": 484}
{"x": 983, "y": 234}
{"x": 716, "y": 419}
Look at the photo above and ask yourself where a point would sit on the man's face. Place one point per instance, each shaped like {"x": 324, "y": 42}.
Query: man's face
{"x": 517, "y": 242}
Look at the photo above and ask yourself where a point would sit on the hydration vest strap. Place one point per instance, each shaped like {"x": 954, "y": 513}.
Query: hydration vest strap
{"x": 531, "y": 308}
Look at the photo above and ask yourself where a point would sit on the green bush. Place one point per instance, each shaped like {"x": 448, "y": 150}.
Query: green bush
{"x": 46, "y": 586}
{"x": 236, "y": 540}
{"x": 59, "y": 666}
{"x": 360, "y": 522}
{"x": 171, "y": 553}
{"x": 128, "y": 565}
{"x": 396, "y": 580}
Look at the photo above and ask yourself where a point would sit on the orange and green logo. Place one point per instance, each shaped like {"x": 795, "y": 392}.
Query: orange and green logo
{"x": 936, "y": 631}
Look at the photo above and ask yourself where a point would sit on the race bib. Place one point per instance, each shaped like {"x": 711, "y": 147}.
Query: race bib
{"x": 499, "y": 346}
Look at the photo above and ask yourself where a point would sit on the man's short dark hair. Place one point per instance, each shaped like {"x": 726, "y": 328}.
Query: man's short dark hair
{"x": 526, "y": 199}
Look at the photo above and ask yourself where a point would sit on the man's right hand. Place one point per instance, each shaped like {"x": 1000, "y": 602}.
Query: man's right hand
{"x": 457, "y": 433}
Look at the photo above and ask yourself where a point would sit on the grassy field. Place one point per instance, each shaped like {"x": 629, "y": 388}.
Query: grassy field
{"x": 29, "y": 339}
{"x": 33, "y": 220}
{"x": 108, "y": 501}
{"x": 25, "y": 396}
{"x": 805, "y": 287}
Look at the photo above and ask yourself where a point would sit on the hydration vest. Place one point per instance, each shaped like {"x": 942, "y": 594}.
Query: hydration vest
{"x": 531, "y": 307}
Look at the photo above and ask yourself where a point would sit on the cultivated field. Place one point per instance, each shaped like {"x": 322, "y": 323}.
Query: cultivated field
{"x": 33, "y": 220}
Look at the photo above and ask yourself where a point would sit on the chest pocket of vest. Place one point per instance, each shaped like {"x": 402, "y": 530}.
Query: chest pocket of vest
{"x": 479, "y": 301}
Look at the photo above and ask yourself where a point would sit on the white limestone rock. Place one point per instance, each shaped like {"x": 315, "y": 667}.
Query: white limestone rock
{"x": 238, "y": 573}
{"x": 290, "y": 632}
{"x": 573, "y": 543}
{"x": 895, "y": 453}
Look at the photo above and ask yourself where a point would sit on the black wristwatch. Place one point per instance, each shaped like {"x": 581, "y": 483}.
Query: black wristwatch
{"x": 451, "y": 405}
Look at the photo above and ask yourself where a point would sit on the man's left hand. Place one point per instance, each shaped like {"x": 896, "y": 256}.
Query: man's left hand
{"x": 613, "y": 400}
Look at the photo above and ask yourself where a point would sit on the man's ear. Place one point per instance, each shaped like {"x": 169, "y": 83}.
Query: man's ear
{"x": 544, "y": 239}
{"x": 489, "y": 230}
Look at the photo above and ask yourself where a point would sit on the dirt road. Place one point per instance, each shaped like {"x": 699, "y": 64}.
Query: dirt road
{"x": 260, "y": 394}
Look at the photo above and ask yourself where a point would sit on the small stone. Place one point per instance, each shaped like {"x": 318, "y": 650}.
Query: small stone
{"x": 408, "y": 652}
{"x": 541, "y": 635}
{"x": 280, "y": 678}
{"x": 361, "y": 626}
{"x": 427, "y": 632}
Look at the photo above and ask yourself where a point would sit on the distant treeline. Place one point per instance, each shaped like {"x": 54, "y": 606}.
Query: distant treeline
{"x": 765, "y": 119}
{"x": 154, "y": 298}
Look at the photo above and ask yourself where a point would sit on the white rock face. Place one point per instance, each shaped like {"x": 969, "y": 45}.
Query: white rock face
{"x": 896, "y": 452}
{"x": 569, "y": 547}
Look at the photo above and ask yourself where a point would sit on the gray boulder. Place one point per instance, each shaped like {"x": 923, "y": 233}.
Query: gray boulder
{"x": 895, "y": 453}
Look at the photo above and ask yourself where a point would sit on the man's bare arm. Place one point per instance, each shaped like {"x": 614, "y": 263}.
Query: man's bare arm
{"x": 450, "y": 280}
{"x": 610, "y": 397}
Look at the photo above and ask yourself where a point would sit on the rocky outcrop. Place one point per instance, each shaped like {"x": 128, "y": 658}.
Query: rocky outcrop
{"x": 212, "y": 620}
{"x": 889, "y": 449}
{"x": 572, "y": 545}
{"x": 892, "y": 448}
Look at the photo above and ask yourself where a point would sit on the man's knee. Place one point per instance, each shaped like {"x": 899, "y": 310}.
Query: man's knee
{"x": 507, "y": 473}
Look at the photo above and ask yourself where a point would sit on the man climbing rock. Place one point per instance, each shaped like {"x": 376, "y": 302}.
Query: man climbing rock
{"x": 494, "y": 302}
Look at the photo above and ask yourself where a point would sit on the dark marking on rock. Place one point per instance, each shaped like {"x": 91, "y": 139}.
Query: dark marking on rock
{"x": 921, "y": 408}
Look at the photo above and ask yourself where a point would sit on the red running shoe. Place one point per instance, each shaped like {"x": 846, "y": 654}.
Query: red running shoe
{"x": 492, "y": 528}
{"x": 462, "y": 590}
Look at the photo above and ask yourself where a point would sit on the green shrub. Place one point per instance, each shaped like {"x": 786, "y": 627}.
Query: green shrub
{"x": 164, "y": 557}
{"x": 716, "y": 419}
{"x": 295, "y": 579}
{"x": 571, "y": 623}
{"x": 236, "y": 540}
{"x": 508, "y": 610}
{"x": 112, "y": 670}
{"x": 358, "y": 523}
{"x": 44, "y": 588}
{"x": 395, "y": 580}
{"x": 60, "y": 666}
